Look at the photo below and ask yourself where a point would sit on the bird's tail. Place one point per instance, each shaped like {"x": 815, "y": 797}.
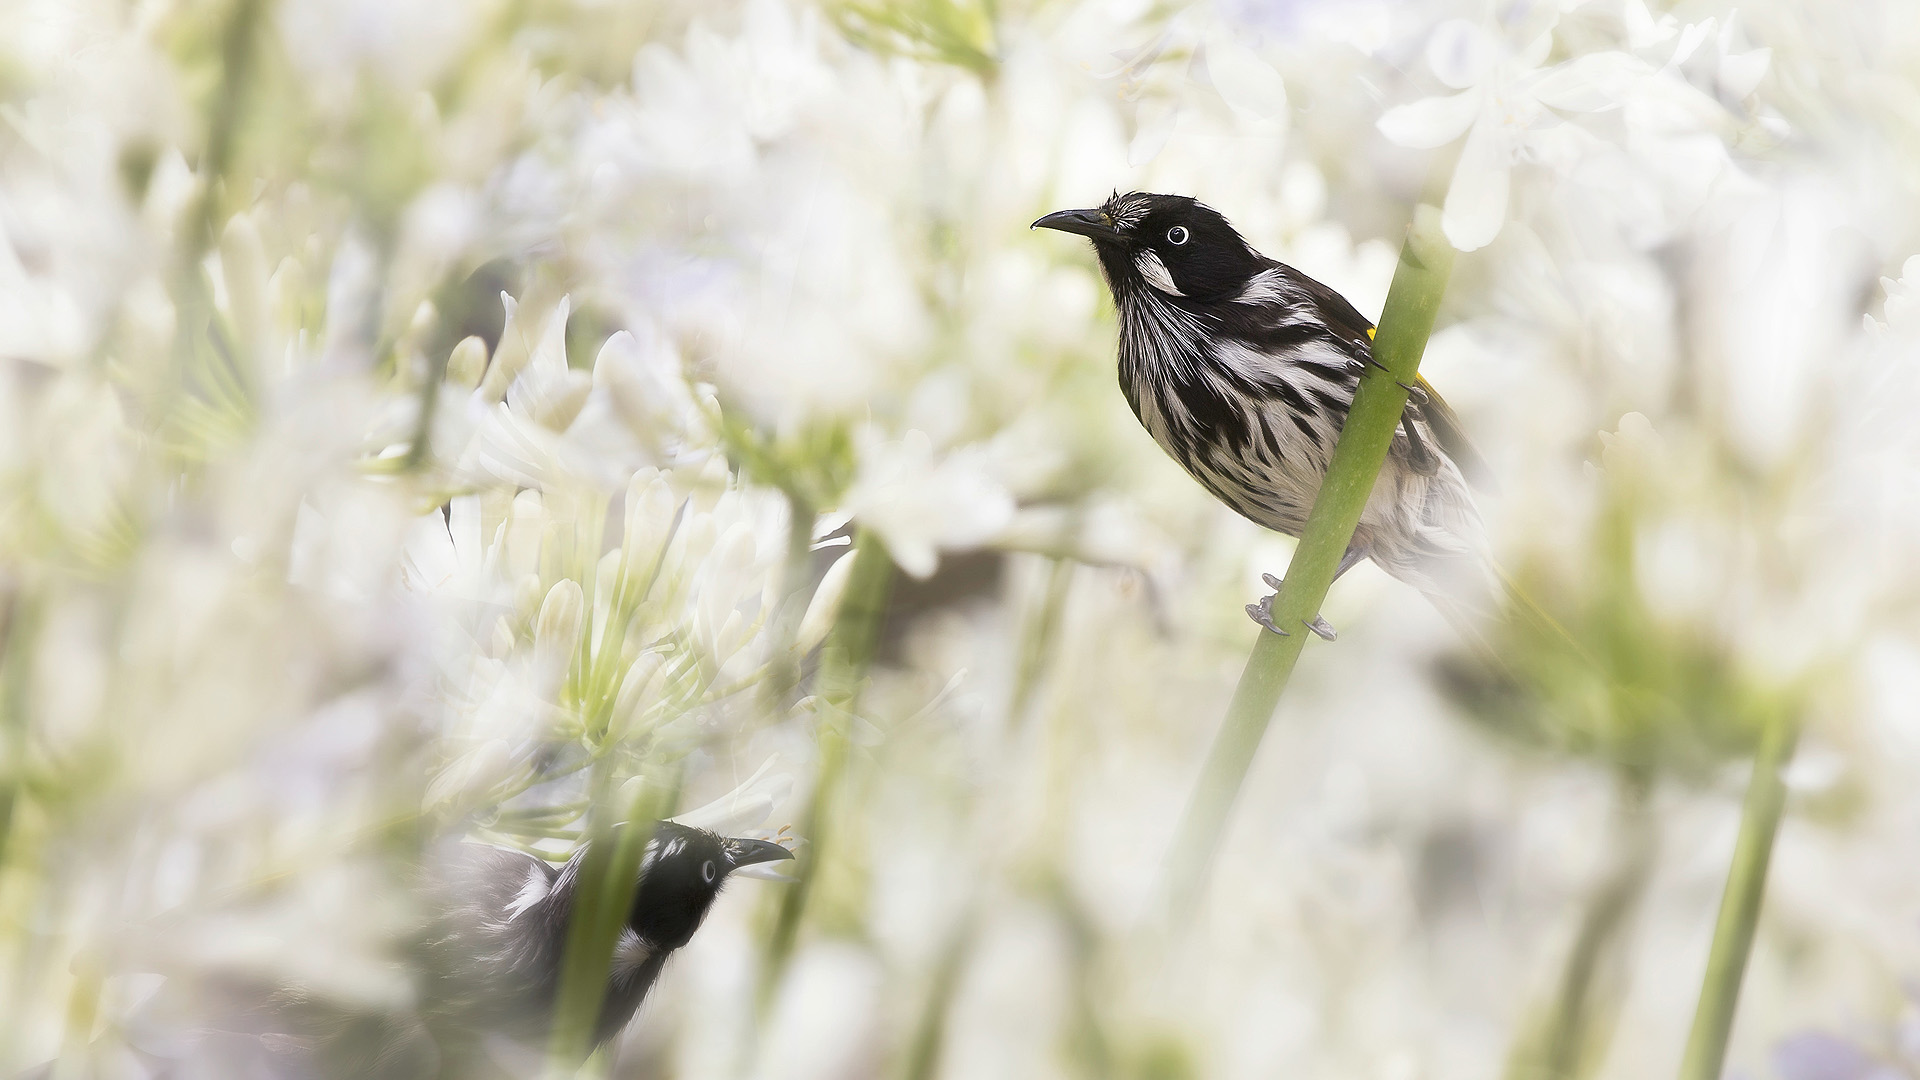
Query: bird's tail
{"x": 1467, "y": 591}
{"x": 1481, "y": 600}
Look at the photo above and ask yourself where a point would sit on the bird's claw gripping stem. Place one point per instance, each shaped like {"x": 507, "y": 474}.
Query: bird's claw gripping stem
{"x": 1262, "y": 613}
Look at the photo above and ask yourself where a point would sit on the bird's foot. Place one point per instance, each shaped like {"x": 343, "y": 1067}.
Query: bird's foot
{"x": 1414, "y": 393}
{"x": 1262, "y": 613}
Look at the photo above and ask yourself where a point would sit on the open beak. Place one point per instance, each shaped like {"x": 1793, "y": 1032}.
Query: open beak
{"x": 1093, "y": 223}
{"x": 742, "y": 852}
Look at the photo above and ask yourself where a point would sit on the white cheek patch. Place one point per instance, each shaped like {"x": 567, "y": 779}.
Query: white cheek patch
{"x": 535, "y": 890}
{"x": 630, "y": 952}
{"x": 1155, "y": 273}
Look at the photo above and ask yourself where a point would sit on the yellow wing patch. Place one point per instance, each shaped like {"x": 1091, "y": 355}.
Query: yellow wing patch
{"x": 1370, "y": 333}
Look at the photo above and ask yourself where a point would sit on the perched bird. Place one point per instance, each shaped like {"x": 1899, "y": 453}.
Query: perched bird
{"x": 504, "y": 936}
{"x": 1242, "y": 369}
{"x": 484, "y": 971}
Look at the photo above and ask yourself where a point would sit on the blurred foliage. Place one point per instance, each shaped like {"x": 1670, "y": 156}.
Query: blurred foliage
{"x": 424, "y": 419}
{"x": 955, "y": 32}
{"x": 1581, "y": 664}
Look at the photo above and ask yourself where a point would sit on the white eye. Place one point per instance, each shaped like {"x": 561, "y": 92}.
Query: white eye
{"x": 1177, "y": 235}
{"x": 707, "y": 871}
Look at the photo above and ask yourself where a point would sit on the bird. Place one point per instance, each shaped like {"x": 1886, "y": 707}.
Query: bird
{"x": 484, "y": 968}
{"x": 1242, "y": 369}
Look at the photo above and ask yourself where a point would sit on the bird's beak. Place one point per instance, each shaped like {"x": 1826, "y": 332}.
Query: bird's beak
{"x": 743, "y": 852}
{"x": 1093, "y": 223}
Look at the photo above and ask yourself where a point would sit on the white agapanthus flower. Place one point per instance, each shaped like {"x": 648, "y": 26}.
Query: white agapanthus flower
{"x": 922, "y": 502}
{"x": 1195, "y": 61}
{"x": 1706, "y": 49}
{"x": 526, "y": 417}
{"x": 1508, "y": 108}
{"x": 1505, "y": 110}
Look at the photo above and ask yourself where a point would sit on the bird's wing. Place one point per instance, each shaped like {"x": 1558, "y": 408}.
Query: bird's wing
{"x": 1445, "y": 425}
{"x": 1354, "y": 328}
{"x": 1340, "y": 316}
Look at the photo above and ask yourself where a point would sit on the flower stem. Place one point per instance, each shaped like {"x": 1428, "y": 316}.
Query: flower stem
{"x": 1571, "y": 1038}
{"x": 843, "y": 666}
{"x": 1740, "y": 904}
{"x": 796, "y": 579}
{"x": 1412, "y": 302}
{"x": 609, "y": 874}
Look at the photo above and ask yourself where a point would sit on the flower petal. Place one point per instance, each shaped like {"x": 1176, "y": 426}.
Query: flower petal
{"x": 1642, "y": 30}
{"x": 1246, "y": 82}
{"x": 1740, "y": 73}
{"x": 1535, "y": 52}
{"x": 1461, "y": 54}
{"x": 1153, "y": 126}
{"x": 1589, "y": 84}
{"x": 1477, "y": 199}
{"x": 1691, "y": 39}
{"x": 1430, "y": 122}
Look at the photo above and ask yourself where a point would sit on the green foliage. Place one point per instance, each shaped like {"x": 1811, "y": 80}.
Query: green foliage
{"x": 1590, "y": 669}
{"x": 959, "y": 33}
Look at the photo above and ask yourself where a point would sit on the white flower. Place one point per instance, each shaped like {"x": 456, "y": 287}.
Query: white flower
{"x": 1902, "y": 305}
{"x": 1730, "y": 74}
{"x": 748, "y": 807}
{"x": 560, "y": 425}
{"x": 1504, "y": 109}
{"x": 1195, "y": 60}
{"x": 922, "y": 504}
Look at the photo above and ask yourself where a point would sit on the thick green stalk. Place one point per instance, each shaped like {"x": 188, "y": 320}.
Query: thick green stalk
{"x": 796, "y": 575}
{"x": 1571, "y": 1038}
{"x": 844, "y": 659}
{"x": 922, "y": 1061}
{"x": 1740, "y": 905}
{"x": 609, "y": 874}
{"x": 1412, "y": 302}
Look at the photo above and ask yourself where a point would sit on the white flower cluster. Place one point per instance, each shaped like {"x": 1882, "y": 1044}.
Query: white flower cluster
{"x": 1514, "y": 107}
{"x": 419, "y": 417}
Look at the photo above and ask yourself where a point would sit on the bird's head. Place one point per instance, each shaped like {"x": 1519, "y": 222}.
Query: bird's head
{"x": 682, "y": 872}
{"x": 1171, "y": 243}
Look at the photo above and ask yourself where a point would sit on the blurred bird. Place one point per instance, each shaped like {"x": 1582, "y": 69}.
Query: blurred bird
{"x": 1242, "y": 369}
{"x": 485, "y": 974}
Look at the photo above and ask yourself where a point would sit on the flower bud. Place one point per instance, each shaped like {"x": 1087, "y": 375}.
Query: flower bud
{"x": 467, "y": 363}
{"x": 243, "y": 267}
{"x": 824, "y": 608}
{"x": 509, "y": 357}
{"x": 471, "y": 776}
{"x": 557, "y": 630}
{"x": 638, "y": 692}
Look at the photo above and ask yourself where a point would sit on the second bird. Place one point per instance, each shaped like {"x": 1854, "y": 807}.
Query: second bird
{"x": 1242, "y": 369}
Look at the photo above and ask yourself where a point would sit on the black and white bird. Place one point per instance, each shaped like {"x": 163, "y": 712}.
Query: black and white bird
{"x": 484, "y": 972}
{"x": 1242, "y": 369}
{"x": 501, "y": 941}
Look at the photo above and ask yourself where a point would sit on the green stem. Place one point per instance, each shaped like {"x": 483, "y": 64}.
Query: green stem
{"x": 1037, "y": 643}
{"x": 930, "y": 1032}
{"x": 1571, "y": 1038}
{"x": 609, "y": 874}
{"x": 796, "y": 575}
{"x": 843, "y": 665}
{"x": 15, "y": 634}
{"x": 1412, "y": 302}
{"x": 1740, "y": 905}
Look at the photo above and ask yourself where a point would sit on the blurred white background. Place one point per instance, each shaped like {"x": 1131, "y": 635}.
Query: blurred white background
{"x": 415, "y": 413}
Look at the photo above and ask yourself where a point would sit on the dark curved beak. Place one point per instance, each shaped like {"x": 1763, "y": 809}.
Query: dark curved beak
{"x": 743, "y": 852}
{"x": 1093, "y": 223}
